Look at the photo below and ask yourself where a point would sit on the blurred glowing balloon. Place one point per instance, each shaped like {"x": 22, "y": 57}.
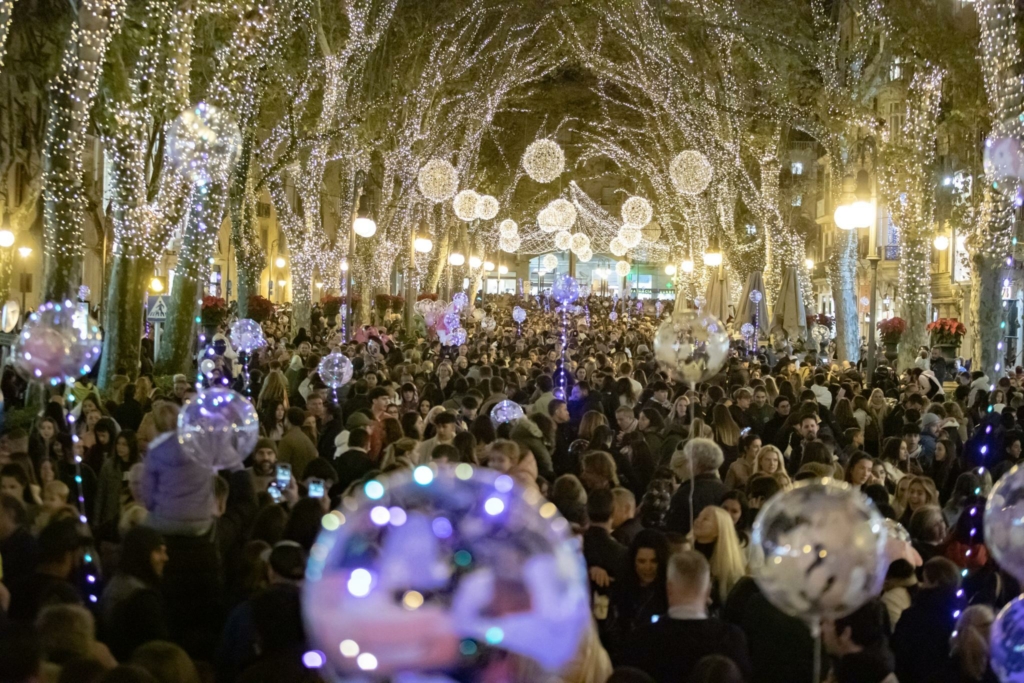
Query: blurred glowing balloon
{"x": 458, "y": 336}
{"x": 427, "y": 571}
{"x": 59, "y": 343}
{"x": 1006, "y": 642}
{"x": 247, "y": 335}
{"x": 518, "y": 314}
{"x": 207, "y": 367}
{"x": 565, "y": 289}
{"x": 1004, "y": 522}
{"x": 460, "y": 300}
{"x": 506, "y": 411}
{"x": 219, "y": 428}
{"x": 823, "y": 545}
{"x": 756, "y": 296}
{"x": 451, "y": 319}
{"x": 203, "y": 142}
{"x": 693, "y": 345}
{"x": 335, "y": 370}
{"x": 746, "y": 329}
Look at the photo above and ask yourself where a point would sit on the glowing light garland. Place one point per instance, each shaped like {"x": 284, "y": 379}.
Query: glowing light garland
{"x": 438, "y": 180}
{"x": 544, "y": 161}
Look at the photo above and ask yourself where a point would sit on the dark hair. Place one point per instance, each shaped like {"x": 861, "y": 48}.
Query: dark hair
{"x": 464, "y": 444}
{"x": 816, "y": 451}
{"x": 320, "y": 468}
{"x": 554, "y": 405}
{"x": 627, "y": 674}
{"x": 304, "y": 523}
{"x": 21, "y": 654}
{"x": 358, "y": 438}
{"x": 763, "y": 487}
{"x": 942, "y": 572}
{"x": 600, "y": 505}
{"x": 867, "y": 626}
{"x": 445, "y": 418}
{"x": 136, "y": 549}
{"x": 16, "y": 471}
{"x": 408, "y": 422}
{"x": 781, "y": 398}
{"x": 295, "y": 416}
{"x": 483, "y": 429}
{"x": 133, "y": 449}
{"x": 654, "y": 417}
{"x": 648, "y": 538}
{"x": 377, "y": 392}
{"x": 715, "y": 669}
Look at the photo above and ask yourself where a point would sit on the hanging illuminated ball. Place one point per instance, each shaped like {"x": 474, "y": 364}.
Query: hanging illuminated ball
{"x": 335, "y": 369}
{"x": 544, "y": 161}
{"x": 1007, "y": 636}
{"x": 637, "y": 212}
{"x": 506, "y": 411}
{"x": 699, "y": 302}
{"x": 565, "y": 289}
{"x": 824, "y": 550}
{"x": 691, "y": 172}
{"x": 416, "y": 572}
{"x": 207, "y": 368}
{"x": 585, "y": 255}
{"x": 564, "y": 213}
{"x": 547, "y": 220}
{"x": 756, "y": 296}
{"x": 518, "y": 314}
{"x": 579, "y": 242}
{"x": 1004, "y": 159}
{"x": 59, "y": 343}
{"x": 438, "y": 180}
{"x": 1004, "y": 522}
{"x": 460, "y": 300}
{"x": 692, "y": 345}
{"x": 549, "y": 262}
{"x": 617, "y": 246}
{"x": 487, "y": 207}
{"x": 562, "y": 240}
{"x": 613, "y": 316}
{"x": 219, "y": 428}
{"x": 247, "y": 335}
{"x": 746, "y": 329}
{"x": 478, "y": 315}
{"x": 630, "y": 236}
{"x": 457, "y": 337}
{"x": 451, "y": 319}
{"x": 508, "y": 228}
{"x": 465, "y": 204}
{"x": 203, "y": 142}
{"x": 509, "y": 244}
{"x": 622, "y": 268}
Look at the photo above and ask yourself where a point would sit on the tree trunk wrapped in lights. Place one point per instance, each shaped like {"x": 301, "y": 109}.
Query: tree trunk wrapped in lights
{"x": 71, "y": 95}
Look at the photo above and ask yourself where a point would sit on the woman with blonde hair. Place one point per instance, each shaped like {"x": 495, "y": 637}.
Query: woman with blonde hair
{"x": 921, "y": 493}
{"x": 700, "y": 430}
{"x": 275, "y": 388}
{"x": 599, "y": 471}
{"x": 969, "y": 646}
{"x": 771, "y": 388}
{"x": 770, "y": 461}
{"x": 879, "y": 405}
{"x": 714, "y": 536}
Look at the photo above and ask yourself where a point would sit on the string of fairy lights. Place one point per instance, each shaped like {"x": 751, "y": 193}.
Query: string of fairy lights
{"x": 6, "y": 16}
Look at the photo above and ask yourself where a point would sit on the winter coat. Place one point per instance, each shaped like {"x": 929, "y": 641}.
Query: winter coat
{"x": 108, "y": 492}
{"x": 527, "y": 434}
{"x": 177, "y": 490}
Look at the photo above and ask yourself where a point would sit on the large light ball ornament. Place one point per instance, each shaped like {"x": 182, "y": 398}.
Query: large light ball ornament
{"x": 691, "y": 172}
{"x": 1007, "y": 655}
{"x": 845, "y": 217}
{"x": 519, "y": 314}
{"x": 686, "y": 266}
{"x": 365, "y": 227}
{"x": 622, "y": 268}
{"x": 247, "y": 336}
{"x": 506, "y": 410}
{"x": 565, "y": 289}
{"x": 456, "y": 258}
{"x": 585, "y": 255}
{"x": 335, "y": 369}
{"x": 203, "y": 142}
{"x": 547, "y": 220}
{"x": 564, "y": 213}
{"x": 59, "y": 343}
{"x": 563, "y": 239}
{"x": 549, "y": 262}
{"x": 692, "y": 345}
{"x": 755, "y": 296}
{"x": 579, "y": 242}
{"x": 426, "y": 571}
{"x": 1003, "y": 158}
{"x": 544, "y": 161}
{"x": 630, "y": 236}
{"x": 465, "y": 205}
{"x": 1004, "y": 522}
{"x": 508, "y": 228}
{"x": 438, "y": 180}
{"x": 487, "y": 207}
{"x": 637, "y": 211}
{"x": 509, "y": 244}
{"x": 824, "y": 550}
{"x": 458, "y": 336}
{"x": 219, "y": 428}
{"x": 6, "y": 239}
{"x": 617, "y": 246}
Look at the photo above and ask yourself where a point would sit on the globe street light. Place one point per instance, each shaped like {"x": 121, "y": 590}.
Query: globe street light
{"x": 6, "y": 239}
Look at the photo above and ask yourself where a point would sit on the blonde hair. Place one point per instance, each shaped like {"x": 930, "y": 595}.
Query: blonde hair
{"x": 700, "y": 430}
{"x": 771, "y": 388}
{"x": 728, "y": 563}
{"x": 143, "y": 388}
{"x": 727, "y": 432}
{"x": 599, "y": 465}
{"x": 57, "y": 488}
{"x": 591, "y": 420}
{"x": 66, "y": 631}
{"x": 275, "y": 388}
{"x": 766, "y": 450}
{"x": 971, "y": 640}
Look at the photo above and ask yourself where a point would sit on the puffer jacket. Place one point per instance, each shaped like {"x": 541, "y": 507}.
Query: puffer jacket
{"x": 177, "y": 490}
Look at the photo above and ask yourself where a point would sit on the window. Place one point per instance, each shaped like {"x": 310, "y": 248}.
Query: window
{"x": 263, "y": 209}
{"x": 897, "y": 115}
{"x": 797, "y": 168}
{"x": 798, "y": 200}
{"x": 896, "y": 69}
{"x": 751, "y": 229}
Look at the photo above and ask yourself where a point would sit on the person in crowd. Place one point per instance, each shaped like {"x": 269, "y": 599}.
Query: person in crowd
{"x": 696, "y": 465}
{"x": 715, "y": 537}
{"x": 638, "y": 596}
{"x": 58, "y": 557}
{"x": 295, "y": 447}
{"x": 112, "y": 490}
{"x": 857, "y": 646}
{"x": 131, "y": 606}
{"x": 920, "y": 640}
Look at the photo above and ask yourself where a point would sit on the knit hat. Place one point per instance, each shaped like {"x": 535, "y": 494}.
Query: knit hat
{"x": 929, "y": 419}
{"x": 357, "y": 420}
{"x": 264, "y": 442}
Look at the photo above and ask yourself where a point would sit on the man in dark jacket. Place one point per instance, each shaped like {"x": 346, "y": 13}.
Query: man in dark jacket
{"x": 670, "y": 648}
{"x": 605, "y": 557}
{"x": 771, "y": 429}
{"x": 59, "y": 556}
{"x": 355, "y": 462}
{"x": 130, "y": 413}
{"x": 701, "y": 477}
{"x": 858, "y": 648}
{"x": 921, "y": 639}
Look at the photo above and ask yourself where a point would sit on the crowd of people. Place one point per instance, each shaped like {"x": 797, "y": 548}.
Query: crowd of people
{"x": 181, "y": 575}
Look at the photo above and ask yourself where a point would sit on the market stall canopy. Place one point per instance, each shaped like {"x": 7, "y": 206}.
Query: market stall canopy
{"x": 749, "y": 312}
{"x": 789, "y": 318}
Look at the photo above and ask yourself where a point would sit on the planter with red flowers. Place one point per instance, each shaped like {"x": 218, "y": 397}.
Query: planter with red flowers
{"x": 260, "y": 308}
{"x": 331, "y": 307}
{"x": 213, "y": 313}
{"x": 891, "y": 331}
{"x": 947, "y": 333}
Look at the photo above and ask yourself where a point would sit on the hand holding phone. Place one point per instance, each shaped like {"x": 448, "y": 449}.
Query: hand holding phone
{"x": 316, "y": 488}
{"x": 282, "y": 475}
{"x": 275, "y": 493}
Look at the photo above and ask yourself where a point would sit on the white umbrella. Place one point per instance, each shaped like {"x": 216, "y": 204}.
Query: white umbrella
{"x": 746, "y": 309}
{"x": 717, "y": 298}
{"x": 789, "y": 318}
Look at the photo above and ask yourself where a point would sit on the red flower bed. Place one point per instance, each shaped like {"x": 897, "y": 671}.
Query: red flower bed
{"x": 946, "y": 332}
{"x": 892, "y": 329}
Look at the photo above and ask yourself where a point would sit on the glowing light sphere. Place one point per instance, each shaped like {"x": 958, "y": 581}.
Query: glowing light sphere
{"x": 691, "y": 172}
{"x": 692, "y": 345}
{"x": 207, "y": 368}
{"x": 465, "y": 204}
{"x": 506, "y": 411}
{"x": 59, "y": 343}
{"x": 630, "y": 236}
{"x": 562, "y": 240}
{"x": 746, "y": 329}
{"x": 508, "y": 228}
{"x": 219, "y": 428}
{"x": 1004, "y": 158}
{"x": 487, "y": 207}
{"x": 686, "y": 266}
{"x": 544, "y": 160}
{"x": 475, "y": 262}
{"x": 459, "y": 301}
{"x": 579, "y": 242}
{"x": 821, "y": 334}
{"x": 488, "y": 324}
{"x": 203, "y": 143}
{"x": 432, "y": 596}
{"x": 365, "y": 227}
{"x": 457, "y": 337}
{"x": 622, "y": 268}
{"x": 456, "y": 258}
{"x": 824, "y": 550}
{"x": 564, "y": 213}
{"x": 478, "y": 315}
{"x": 565, "y": 289}
{"x": 546, "y": 220}
{"x": 247, "y": 335}
{"x": 438, "y": 180}
{"x": 519, "y": 314}
{"x": 1006, "y": 638}
{"x": 550, "y": 262}
{"x": 1004, "y": 522}
{"x": 756, "y": 296}
{"x": 335, "y": 370}
{"x": 670, "y": 269}
{"x": 423, "y": 245}
{"x": 6, "y": 238}
{"x": 617, "y": 246}
{"x": 509, "y": 244}
{"x": 585, "y": 255}
{"x": 637, "y": 211}
{"x": 941, "y": 243}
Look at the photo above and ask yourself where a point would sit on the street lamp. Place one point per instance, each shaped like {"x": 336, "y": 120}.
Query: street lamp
{"x": 423, "y": 245}
{"x": 687, "y": 266}
{"x": 156, "y": 285}
{"x": 280, "y": 262}
{"x": 365, "y": 227}
{"x": 24, "y": 252}
{"x": 855, "y": 209}
{"x": 809, "y": 263}
{"x": 941, "y": 243}
{"x": 670, "y": 270}
{"x": 6, "y": 239}
{"x": 713, "y": 258}
{"x": 456, "y": 258}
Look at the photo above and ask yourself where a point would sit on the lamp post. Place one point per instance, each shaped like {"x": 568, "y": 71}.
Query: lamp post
{"x": 363, "y": 226}
{"x": 873, "y": 260}
{"x": 24, "y": 253}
